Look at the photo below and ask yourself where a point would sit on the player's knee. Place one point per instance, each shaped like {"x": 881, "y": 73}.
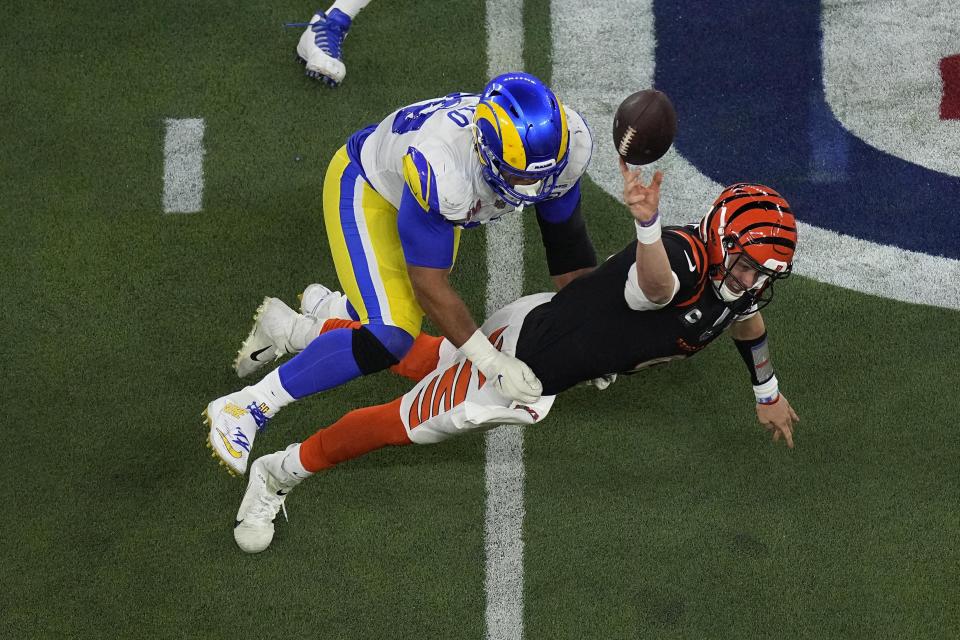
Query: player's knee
{"x": 377, "y": 347}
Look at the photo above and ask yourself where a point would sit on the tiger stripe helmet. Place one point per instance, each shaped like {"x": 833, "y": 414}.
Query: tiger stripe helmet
{"x": 753, "y": 223}
{"x": 521, "y": 137}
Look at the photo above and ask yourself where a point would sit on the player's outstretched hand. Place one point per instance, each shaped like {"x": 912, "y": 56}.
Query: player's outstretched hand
{"x": 641, "y": 199}
{"x": 778, "y": 418}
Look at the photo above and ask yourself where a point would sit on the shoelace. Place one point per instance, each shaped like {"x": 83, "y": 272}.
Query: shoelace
{"x": 267, "y": 507}
{"x": 258, "y": 416}
{"x": 329, "y": 34}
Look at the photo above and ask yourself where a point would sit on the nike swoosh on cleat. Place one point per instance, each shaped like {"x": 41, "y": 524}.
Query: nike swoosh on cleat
{"x": 282, "y": 492}
{"x": 226, "y": 443}
{"x": 689, "y": 262}
{"x": 253, "y": 356}
{"x": 237, "y": 523}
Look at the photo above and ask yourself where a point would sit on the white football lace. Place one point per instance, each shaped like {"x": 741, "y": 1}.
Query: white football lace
{"x": 267, "y": 507}
{"x": 626, "y": 140}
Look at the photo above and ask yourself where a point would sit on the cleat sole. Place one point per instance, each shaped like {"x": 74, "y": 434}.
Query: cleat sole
{"x": 316, "y": 75}
{"x": 243, "y": 345}
{"x": 213, "y": 450}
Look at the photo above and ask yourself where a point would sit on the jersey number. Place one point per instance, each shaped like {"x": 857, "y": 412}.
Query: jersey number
{"x": 412, "y": 118}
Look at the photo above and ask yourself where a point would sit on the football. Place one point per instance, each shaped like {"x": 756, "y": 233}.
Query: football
{"x": 644, "y": 126}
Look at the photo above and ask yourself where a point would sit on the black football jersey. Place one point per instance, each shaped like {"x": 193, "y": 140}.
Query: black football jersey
{"x": 587, "y": 329}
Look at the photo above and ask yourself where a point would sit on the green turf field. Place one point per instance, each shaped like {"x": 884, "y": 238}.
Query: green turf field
{"x": 655, "y": 509}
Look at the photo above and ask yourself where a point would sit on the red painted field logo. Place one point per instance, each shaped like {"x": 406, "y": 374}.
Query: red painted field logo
{"x": 950, "y": 102}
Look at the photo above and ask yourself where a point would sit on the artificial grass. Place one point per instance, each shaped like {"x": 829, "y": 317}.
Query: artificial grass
{"x": 654, "y": 508}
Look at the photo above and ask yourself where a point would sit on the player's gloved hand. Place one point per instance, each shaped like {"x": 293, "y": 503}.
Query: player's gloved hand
{"x": 603, "y": 382}
{"x": 513, "y": 378}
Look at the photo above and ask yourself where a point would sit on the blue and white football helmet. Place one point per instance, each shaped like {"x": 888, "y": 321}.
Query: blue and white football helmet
{"x": 522, "y": 137}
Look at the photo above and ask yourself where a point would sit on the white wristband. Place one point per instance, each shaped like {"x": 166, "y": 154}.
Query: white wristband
{"x": 650, "y": 232}
{"x": 768, "y": 392}
{"x": 478, "y": 350}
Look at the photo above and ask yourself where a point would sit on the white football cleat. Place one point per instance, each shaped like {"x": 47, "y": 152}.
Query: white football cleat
{"x": 320, "y": 46}
{"x": 234, "y": 421}
{"x": 269, "y": 338}
{"x": 317, "y": 301}
{"x": 266, "y": 492}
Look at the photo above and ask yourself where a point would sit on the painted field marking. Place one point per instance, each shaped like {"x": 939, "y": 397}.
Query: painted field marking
{"x": 183, "y": 165}
{"x": 504, "y": 471}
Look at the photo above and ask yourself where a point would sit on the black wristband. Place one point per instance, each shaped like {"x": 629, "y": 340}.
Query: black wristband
{"x": 756, "y": 355}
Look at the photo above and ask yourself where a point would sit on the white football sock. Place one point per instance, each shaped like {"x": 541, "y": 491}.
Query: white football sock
{"x": 270, "y": 391}
{"x": 291, "y": 464}
{"x": 276, "y": 464}
{"x": 305, "y": 329}
{"x": 349, "y": 7}
{"x": 338, "y": 309}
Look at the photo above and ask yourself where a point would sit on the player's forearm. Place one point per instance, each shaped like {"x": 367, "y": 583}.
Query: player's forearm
{"x": 570, "y": 252}
{"x": 749, "y": 329}
{"x": 445, "y": 308}
{"x": 750, "y": 337}
{"x": 653, "y": 272}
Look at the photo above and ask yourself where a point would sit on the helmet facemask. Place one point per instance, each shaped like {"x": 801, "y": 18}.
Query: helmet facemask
{"x": 513, "y": 185}
{"x": 728, "y": 278}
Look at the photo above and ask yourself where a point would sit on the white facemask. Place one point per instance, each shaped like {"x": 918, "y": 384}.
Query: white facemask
{"x": 529, "y": 190}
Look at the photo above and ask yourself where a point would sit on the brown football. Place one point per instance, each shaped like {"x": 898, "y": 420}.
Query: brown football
{"x": 644, "y": 126}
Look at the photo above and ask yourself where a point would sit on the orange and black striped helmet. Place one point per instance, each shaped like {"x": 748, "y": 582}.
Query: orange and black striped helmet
{"x": 750, "y": 222}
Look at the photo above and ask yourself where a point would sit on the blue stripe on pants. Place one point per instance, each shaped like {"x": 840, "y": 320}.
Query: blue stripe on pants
{"x": 351, "y": 235}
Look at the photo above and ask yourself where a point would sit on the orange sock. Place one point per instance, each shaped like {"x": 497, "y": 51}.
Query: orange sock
{"x": 339, "y": 323}
{"x": 421, "y": 359}
{"x": 359, "y": 432}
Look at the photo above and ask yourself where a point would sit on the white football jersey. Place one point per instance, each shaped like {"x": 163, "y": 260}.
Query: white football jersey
{"x": 442, "y": 130}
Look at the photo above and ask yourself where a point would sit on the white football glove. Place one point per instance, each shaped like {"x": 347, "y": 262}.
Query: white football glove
{"x": 603, "y": 382}
{"x": 512, "y": 377}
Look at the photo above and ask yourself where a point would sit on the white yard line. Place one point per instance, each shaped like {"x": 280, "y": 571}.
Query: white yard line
{"x": 183, "y": 166}
{"x": 503, "y": 525}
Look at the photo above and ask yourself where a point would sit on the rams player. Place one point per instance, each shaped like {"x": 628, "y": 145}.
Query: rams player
{"x": 396, "y": 198}
{"x": 320, "y": 46}
{"x": 667, "y": 295}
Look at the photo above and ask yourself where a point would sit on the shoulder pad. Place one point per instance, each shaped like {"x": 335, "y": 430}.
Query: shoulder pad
{"x": 692, "y": 268}
{"x": 581, "y": 140}
{"x": 581, "y": 150}
{"x": 420, "y": 178}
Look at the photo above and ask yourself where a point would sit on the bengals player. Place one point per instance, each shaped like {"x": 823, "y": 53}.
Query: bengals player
{"x": 666, "y": 295}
